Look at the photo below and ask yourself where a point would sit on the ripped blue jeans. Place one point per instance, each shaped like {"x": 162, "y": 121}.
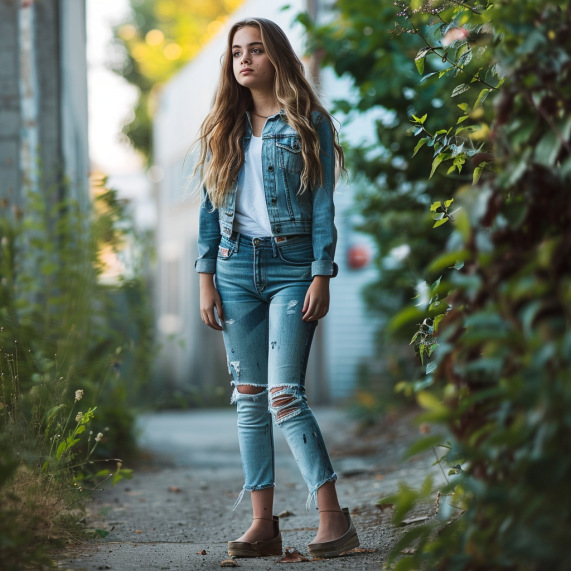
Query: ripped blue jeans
{"x": 262, "y": 283}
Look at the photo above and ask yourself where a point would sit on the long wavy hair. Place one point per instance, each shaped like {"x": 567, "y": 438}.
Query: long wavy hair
{"x": 221, "y": 155}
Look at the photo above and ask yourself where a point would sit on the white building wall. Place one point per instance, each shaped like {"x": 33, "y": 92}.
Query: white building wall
{"x": 192, "y": 354}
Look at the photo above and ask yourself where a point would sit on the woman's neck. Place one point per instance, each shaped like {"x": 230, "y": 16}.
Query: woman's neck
{"x": 264, "y": 104}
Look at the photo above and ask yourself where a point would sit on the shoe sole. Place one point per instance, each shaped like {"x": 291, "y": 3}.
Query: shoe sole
{"x": 252, "y": 553}
{"x": 351, "y": 543}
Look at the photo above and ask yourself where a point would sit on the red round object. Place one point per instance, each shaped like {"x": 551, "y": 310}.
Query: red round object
{"x": 358, "y": 256}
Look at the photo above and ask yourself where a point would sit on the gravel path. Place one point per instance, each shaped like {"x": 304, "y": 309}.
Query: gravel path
{"x": 176, "y": 512}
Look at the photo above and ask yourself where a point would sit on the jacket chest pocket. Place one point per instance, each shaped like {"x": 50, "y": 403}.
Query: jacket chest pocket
{"x": 288, "y": 150}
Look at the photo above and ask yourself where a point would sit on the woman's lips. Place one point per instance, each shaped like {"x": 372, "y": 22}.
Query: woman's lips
{"x": 246, "y": 70}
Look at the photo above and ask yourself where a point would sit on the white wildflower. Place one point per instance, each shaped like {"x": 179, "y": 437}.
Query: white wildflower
{"x": 78, "y": 395}
{"x": 99, "y": 437}
{"x": 79, "y": 416}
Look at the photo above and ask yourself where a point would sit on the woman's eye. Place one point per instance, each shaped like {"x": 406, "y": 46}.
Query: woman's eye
{"x": 236, "y": 54}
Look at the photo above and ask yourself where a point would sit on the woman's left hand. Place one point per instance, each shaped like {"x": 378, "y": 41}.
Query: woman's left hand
{"x": 316, "y": 303}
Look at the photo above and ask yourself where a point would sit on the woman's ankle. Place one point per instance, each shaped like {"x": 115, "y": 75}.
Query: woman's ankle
{"x": 261, "y": 529}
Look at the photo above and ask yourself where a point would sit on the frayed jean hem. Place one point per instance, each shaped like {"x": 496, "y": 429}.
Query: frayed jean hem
{"x": 312, "y": 497}
{"x": 251, "y": 489}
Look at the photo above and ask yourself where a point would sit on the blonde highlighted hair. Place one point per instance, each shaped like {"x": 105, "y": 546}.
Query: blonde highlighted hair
{"x": 221, "y": 155}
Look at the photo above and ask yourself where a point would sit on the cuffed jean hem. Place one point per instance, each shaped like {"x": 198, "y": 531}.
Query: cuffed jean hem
{"x": 312, "y": 497}
{"x": 251, "y": 489}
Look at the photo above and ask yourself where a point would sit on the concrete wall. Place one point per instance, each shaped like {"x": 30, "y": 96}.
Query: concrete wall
{"x": 43, "y": 100}
{"x": 10, "y": 119}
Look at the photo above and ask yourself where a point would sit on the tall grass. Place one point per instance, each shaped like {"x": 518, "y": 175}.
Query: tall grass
{"x": 74, "y": 351}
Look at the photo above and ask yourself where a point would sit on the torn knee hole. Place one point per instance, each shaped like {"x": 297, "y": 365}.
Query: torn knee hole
{"x": 249, "y": 390}
{"x": 283, "y": 400}
{"x": 283, "y": 404}
{"x": 285, "y": 411}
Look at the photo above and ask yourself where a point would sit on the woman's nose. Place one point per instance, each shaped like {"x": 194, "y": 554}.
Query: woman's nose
{"x": 245, "y": 59}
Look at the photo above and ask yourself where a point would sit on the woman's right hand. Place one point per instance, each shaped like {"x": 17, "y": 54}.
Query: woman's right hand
{"x": 210, "y": 299}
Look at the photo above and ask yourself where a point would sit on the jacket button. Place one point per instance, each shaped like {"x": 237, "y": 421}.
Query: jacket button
{"x": 278, "y": 229}
{"x": 270, "y": 168}
{"x": 274, "y": 199}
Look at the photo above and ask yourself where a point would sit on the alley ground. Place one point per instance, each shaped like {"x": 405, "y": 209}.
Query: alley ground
{"x": 176, "y": 512}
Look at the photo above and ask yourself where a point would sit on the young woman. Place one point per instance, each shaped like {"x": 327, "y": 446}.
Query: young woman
{"x": 266, "y": 246}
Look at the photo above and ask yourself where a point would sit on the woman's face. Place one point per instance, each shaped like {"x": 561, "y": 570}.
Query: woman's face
{"x": 252, "y": 67}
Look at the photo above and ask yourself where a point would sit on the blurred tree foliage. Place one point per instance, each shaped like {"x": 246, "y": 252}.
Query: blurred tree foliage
{"x": 393, "y": 191}
{"x": 159, "y": 38}
{"x": 495, "y": 335}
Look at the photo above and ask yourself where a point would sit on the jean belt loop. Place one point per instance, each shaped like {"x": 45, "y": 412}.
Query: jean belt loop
{"x": 274, "y": 247}
{"x": 237, "y": 242}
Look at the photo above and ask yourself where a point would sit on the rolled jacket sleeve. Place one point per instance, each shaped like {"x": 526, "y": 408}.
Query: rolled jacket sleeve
{"x": 323, "y": 231}
{"x": 208, "y": 236}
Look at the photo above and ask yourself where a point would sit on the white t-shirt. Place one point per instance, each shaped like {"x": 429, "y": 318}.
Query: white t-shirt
{"x": 251, "y": 217}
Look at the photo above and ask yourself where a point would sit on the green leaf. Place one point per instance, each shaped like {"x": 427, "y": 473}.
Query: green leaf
{"x": 71, "y": 442}
{"x": 459, "y": 89}
{"x": 404, "y": 317}
{"x": 419, "y": 145}
{"x": 122, "y": 474}
{"x": 431, "y": 366}
{"x": 481, "y": 97}
{"x": 61, "y": 449}
{"x": 411, "y": 538}
{"x": 440, "y": 222}
{"x": 425, "y": 77}
{"x": 547, "y": 150}
{"x": 436, "y": 162}
{"x": 429, "y": 401}
{"x": 437, "y": 321}
{"x": 435, "y": 205}
{"x": 478, "y": 172}
{"x": 103, "y": 532}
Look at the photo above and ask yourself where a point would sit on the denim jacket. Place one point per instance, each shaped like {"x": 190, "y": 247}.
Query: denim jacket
{"x": 290, "y": 212}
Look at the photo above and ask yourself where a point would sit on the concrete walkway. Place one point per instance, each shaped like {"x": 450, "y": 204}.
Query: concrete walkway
{"x": 177, "y": 513}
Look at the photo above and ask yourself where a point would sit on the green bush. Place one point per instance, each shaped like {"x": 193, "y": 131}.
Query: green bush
{"x": 498, "y": 327}
{"x": 74, "y": 353}
{"x": 494, "y": 336}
